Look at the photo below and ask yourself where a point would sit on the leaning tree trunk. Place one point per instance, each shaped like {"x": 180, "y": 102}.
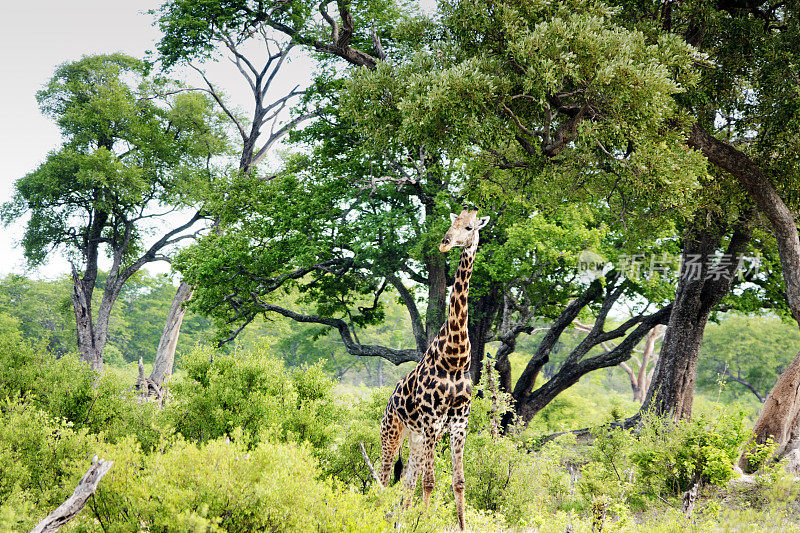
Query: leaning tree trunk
{"x": 700, "y": 289}
{"x": 165, "y": 356}
{"x": 778, "y": 418}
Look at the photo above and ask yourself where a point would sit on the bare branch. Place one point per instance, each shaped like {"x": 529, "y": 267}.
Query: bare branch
{"x": 354, "y": 348}
{"x": 73, "y": 505}
{"x": 214, "y": 94}
{"x": 369, "y": 464}
{"x": 152, "y": 253}
{"x": 275, "y": 137}
{"x": 376, "y": 43}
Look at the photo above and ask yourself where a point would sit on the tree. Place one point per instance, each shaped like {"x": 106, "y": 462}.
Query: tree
{"x": 262, "y": 76}
{"x": 132, "y": 155}
{"x": 42, "y": 309}
{"x": 745, "y": 123}
{"x": 700, "y": 288}
{"x": 402, "y": 144}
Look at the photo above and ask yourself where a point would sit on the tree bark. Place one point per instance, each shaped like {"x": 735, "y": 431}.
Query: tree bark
{"x": 165, "y": 356}
{"x": 437, "y": 295}
{"x": 648, "y": 354}
{"x": 82, "y": 304}
{"x": 700, "y": 289}
{"x": 75, "y": 503}
{"x": 778, "y": 417}
{"x": 483, "y": 312}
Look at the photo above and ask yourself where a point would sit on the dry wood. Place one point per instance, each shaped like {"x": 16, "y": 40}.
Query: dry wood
{"x": 73, "y": 505}
{"x": 369, "y": 463}
{"x": 165, "y": 355}
{"x": 689, "y": 498}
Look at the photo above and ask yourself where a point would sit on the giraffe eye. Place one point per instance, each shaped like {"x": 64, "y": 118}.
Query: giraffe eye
{"x": 469, "y": 228}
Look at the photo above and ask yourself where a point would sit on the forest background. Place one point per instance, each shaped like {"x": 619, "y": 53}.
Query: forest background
{"x": 641, "y": 268}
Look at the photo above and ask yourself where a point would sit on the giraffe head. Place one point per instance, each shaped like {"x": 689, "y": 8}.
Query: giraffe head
{"x": 464, "y": 229}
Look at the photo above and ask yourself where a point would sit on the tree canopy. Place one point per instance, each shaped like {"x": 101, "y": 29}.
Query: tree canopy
{"x": 136, "y": 150}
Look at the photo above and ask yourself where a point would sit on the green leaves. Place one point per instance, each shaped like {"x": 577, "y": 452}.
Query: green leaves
{"x": 132, "y": 143}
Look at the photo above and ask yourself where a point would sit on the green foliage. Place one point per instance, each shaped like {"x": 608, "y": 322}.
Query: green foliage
{"x": 223, "y": 485}
{"x": 663, "y": 459}
{"x": 246, "y": 445}
{"x": 752, "y": 349}
{"x": 253, "y": 392}
{"x": 360, "y": 424}
{"x": 67, "y": 389}
{"x": 43, "y": 313}
{"x": 41, "y": 457}
{"x": 43, "y": 310}
{"x": 127, "y": 149}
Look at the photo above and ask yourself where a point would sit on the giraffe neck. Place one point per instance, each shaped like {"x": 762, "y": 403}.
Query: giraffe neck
{"x": 457, "y": 347}
{"x": 459, "y": 296}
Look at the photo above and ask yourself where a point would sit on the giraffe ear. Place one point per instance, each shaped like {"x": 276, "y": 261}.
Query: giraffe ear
{"x": 482, "y": 222}
{"x": 453, "y": 217}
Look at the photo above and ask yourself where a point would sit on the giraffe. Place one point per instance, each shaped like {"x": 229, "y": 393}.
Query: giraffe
{"x": 435, "y": 396}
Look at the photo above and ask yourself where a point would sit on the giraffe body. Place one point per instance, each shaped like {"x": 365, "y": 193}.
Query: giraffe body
{"x": 435, "y": 397}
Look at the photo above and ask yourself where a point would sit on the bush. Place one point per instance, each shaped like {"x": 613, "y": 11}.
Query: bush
{"x": 255, "y": 392}
{"x": 342, "y": 458}
{"x": 673, "y": 457}
{"x": 66, "y": 388}
{"x": 41, "y": 460}
{"x": 223, "y": 485}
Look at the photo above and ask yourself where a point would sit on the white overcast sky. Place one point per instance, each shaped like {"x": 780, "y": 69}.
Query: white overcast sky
{"x": 34, "y": 38}
{"x": 37, "y": 36}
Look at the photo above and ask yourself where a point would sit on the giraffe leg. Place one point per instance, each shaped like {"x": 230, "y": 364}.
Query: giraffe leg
{"x": 392, "y": 433}
{"x": 458, "y": 434}
{"x": 415, "y": 462}
{"x": 428, "y": 477}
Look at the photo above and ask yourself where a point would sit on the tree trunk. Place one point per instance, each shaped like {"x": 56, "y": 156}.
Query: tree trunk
{"x": 778, "y": 416}
{"x": 526, "y": 382}
{"x": 437, "y": 294}
{"x": 648, "y": 355}
{"x": 482, "y": 314}
{"x": 82, "y": 304}
{"x": 165, "y": 356}
{"x": 700, "y": 289}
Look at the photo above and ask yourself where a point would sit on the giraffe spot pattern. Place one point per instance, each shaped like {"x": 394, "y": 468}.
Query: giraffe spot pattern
{"x": 433, "y": 398}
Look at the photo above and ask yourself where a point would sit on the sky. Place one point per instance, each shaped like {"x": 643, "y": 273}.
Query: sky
{"x": 35, "y": 37}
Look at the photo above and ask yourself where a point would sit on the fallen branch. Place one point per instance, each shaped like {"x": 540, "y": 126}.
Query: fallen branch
{"x": 369, "y": 463}
{"x": 73, "y": 505}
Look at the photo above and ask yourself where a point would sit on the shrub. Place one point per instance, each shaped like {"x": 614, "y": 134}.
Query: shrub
{"x": 255, "y": 392}
{"x": 342, "y": 458}
{"x": 66, "y": 388}
{"x": 223, "y": 485}
{"x": 673, "y": 457}
{"x": 41, "y": 460}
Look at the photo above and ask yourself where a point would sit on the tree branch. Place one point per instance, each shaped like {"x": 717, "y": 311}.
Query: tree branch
{"x": 354, "y": 348}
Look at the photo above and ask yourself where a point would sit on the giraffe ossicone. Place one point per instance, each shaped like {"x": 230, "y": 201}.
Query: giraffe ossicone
{"x": 435, "y": 397}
